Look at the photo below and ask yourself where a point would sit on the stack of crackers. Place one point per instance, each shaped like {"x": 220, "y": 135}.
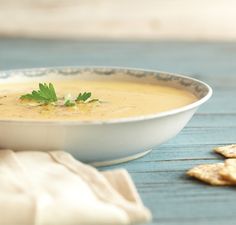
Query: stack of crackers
{"x": 219, "y": 173}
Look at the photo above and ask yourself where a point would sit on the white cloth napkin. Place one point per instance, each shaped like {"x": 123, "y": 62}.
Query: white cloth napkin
{"x": 47, "y": 188}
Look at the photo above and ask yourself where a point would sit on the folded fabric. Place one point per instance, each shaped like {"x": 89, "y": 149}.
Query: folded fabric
{"x": 47, "y": 188}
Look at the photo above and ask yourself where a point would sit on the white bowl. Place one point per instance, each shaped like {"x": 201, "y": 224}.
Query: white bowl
{"x": 101, "y": 142}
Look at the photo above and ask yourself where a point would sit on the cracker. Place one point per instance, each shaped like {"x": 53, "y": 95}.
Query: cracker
{"x": 229, "y": 151}
{"x": 229, "y": 170}
{"x": 209, "y": 173}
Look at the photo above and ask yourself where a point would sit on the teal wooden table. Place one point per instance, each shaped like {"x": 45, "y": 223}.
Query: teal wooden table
{"x": 173, "y": 198}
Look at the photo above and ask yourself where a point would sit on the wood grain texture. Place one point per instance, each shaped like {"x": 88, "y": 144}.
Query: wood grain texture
{"x": 173, "y": 198}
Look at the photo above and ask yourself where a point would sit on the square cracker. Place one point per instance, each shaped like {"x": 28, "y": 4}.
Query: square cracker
{"x": 229, "y": 151}
{"x": 209, "y": 173}
{"x": 229, "y": 170}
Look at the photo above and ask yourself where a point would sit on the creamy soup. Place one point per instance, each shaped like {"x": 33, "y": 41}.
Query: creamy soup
{"x": 117, "y": 100}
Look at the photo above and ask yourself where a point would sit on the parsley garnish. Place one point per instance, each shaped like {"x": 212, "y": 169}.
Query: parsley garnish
{"x": 83, "y": 96}
{"x": 46, "y": 94}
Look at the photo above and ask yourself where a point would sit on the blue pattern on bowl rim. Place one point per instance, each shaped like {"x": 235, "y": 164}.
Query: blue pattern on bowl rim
{"x": 199, "y": 88}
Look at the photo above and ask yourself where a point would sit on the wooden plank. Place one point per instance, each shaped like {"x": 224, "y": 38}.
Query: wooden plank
{"x": 212, "y": 62}
{"x": 219, "y": 120}
{"x": 222, "y": 101}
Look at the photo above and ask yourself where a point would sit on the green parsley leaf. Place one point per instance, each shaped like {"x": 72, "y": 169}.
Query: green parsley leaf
{"x": 46, "y": 94}
{"x": 83, "y": 96}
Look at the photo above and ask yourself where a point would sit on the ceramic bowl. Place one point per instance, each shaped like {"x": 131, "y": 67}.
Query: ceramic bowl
{"x": 101, "y": 142}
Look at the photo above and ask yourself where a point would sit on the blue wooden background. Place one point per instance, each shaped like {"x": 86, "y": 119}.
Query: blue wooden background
{"x": 173, "y": 198}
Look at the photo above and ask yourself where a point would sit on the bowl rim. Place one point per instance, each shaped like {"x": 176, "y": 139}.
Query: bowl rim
{"x": 118, "y": 120}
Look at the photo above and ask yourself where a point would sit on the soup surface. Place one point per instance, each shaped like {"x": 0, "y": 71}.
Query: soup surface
{"x": 117, "y": 100}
